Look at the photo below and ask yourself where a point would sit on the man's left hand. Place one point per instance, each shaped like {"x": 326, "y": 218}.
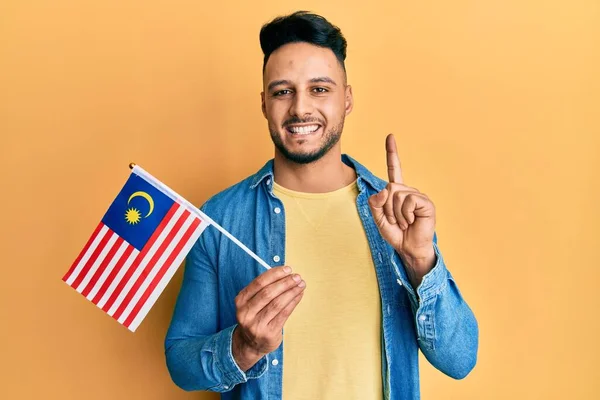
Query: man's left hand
{"x": 405, "y": 218}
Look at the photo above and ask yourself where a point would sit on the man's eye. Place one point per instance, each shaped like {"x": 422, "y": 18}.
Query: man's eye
{"x": 282, "y": 92}
{"x": 320, "y": 90}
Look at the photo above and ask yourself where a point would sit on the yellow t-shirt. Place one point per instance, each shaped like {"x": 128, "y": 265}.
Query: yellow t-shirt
{"x": 332, "y": 340}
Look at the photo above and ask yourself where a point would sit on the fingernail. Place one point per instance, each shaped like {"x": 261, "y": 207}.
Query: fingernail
{"x": 287, "y": 270}
{"x": 302, "y": 284}
{"x": 392, "y": 220}
{"x": 296, "y": 278}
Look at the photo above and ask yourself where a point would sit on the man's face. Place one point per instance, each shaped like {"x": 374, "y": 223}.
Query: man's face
{"x": 305, "y": 101}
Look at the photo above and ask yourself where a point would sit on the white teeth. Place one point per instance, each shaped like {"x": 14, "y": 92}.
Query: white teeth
{"x": 304, "y": 130}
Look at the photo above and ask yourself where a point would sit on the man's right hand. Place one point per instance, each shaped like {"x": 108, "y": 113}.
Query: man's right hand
{"x": 262, "y": 308}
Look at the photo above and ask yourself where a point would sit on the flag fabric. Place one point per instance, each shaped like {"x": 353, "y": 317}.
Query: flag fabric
{"x": 136, "y": 248}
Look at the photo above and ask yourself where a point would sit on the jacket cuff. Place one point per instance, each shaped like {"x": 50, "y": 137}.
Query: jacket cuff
{"x": 432, "y": 283}
{"x": 232, "y": 374}
{"x": 435, "y": 280}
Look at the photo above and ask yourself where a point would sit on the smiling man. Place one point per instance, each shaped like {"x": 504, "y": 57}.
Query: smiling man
{"x": 358, "y": 283}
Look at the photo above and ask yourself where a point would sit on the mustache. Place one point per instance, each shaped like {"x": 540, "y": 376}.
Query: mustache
{"x": 296, "y": 120}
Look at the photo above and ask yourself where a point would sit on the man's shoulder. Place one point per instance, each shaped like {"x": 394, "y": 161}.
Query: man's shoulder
{"x": 364, "y": 173}
{"x": 237, "y": 193}
{"x": 229, "y": 195}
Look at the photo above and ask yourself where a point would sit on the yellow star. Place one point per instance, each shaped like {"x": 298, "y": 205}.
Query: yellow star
{"x": 132, "y": 216}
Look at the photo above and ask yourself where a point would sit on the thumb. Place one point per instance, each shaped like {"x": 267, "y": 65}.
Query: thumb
{"x": 390, "y": 232}
{"x": 377, "y": 201}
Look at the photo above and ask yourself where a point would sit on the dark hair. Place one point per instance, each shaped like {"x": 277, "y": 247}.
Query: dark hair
{"x": 302, "y": 26}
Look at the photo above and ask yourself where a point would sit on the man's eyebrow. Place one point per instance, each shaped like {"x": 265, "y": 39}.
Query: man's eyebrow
{"x": 277, "y": 83}
{"x": 323, "y": 79}
{"x": 320, "y": 79}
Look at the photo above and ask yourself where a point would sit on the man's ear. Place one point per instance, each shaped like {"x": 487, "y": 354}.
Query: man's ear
{"x": 349, "y": 99}
{"x": 262, "y": 104}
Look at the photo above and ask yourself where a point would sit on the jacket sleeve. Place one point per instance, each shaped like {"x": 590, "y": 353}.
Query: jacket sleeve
{"x": 198, "y": 355}
{"x": 447, "y": 331}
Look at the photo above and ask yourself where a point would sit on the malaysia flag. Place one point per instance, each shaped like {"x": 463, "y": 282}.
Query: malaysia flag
{"x": 136, "y": 249}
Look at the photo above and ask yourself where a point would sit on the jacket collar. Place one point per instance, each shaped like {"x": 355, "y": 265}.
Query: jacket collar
{"x": 266, "y": 173}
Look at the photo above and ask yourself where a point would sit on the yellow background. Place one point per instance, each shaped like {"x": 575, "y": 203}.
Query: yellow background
{"x": 494, "y": 105}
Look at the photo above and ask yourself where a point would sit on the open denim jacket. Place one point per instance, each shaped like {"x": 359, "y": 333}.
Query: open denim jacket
{"x": 435, "y": 318}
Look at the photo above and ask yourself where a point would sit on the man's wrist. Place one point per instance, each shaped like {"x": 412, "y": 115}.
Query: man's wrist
{"x": 243, "y": 354}
{"x": 418, "y": 265}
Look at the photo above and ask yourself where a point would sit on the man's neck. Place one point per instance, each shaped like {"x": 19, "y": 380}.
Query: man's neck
{"x": 327, "y": 174}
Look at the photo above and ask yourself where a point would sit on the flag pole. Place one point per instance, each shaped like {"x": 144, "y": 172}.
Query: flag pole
{"x": 171, "y": 193}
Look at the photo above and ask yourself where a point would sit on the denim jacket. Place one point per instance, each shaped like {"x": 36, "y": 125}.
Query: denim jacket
{"x": 435, "y": 318}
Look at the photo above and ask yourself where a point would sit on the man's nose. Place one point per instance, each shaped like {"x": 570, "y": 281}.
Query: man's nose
{"x": 302, "y": 105}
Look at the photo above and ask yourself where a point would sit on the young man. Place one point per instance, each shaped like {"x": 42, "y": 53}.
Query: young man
{"x": 358, "y": 283}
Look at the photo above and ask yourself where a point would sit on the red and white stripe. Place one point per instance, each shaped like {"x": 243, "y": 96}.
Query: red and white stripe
{"x": 125, "y": 282}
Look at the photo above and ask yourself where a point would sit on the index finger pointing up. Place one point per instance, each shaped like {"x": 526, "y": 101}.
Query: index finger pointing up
{"x": 393, "y": 161}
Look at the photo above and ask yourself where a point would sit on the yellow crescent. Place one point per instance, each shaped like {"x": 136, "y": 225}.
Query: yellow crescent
{"x": 147, "y": 197}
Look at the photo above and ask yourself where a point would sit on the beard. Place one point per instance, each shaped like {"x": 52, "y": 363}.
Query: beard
{"x": 330, "y": 138}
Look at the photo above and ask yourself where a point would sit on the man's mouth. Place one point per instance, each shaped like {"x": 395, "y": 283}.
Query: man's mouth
{"x": 302, "y": 130}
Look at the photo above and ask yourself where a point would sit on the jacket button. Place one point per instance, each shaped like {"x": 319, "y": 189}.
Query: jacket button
{"x": 276, "y": 258}
{"x": 277, "y": 210}
{"x": 275, "y": 362}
